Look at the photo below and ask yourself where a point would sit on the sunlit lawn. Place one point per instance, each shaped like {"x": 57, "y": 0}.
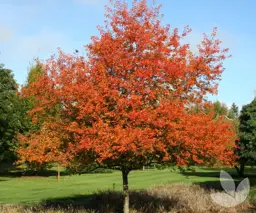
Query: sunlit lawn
{"x": 28, "y": 190}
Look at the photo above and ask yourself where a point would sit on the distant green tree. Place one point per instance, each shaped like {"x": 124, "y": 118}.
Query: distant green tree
{"x": 233, "y": 112}
{"x": 13, "y": 111}
{"x": 34, "y": 72}
{"x": 220, "y": 108}
{"x": 11, "y": 114}
{"x": 247, "y": 136}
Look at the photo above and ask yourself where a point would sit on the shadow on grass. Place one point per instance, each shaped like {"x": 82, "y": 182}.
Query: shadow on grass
{"x": 9, "y": 169}
{"x": 216, "y": 185}
{"x": 215, "y": 173}
{"x": 201, "y": 174}
{"x": 110, "y": 201}
{"x": 29, "y": 173}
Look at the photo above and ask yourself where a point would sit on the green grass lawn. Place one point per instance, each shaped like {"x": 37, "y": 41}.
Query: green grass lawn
{"x": 27, "y": 190}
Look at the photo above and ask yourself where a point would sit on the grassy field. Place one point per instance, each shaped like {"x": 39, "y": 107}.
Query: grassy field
{"x": 152, "y": 190}
{"x": 26, "y": 190}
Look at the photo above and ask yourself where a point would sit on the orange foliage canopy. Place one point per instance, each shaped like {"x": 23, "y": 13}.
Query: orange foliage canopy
{"x": 126, "y": 104}
{"x": 43, "y": 146}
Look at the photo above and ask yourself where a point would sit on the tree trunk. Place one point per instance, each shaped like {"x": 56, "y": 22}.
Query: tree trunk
{"x": 240, "y": 170}
{"x": 126, "y": 190}
{"x": 58, "y": 173}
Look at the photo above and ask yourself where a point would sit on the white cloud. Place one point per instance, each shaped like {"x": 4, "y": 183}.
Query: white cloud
{"x": 19, "y": 53}
{"x": 45, "y": 41}
{"x": 6, "y": 34}
{"x": 21, "y": 39}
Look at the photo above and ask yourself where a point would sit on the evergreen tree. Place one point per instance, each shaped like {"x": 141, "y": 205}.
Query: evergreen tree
{"x": 11, "y": 114}
{"x": 247, "y": 134}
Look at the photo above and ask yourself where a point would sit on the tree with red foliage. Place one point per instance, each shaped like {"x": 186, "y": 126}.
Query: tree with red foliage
{"x": 127, "y": 103}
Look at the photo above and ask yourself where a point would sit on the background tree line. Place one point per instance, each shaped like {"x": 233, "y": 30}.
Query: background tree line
{"x": 14, "y": 118}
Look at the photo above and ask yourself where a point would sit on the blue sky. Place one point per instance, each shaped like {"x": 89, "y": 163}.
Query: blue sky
{"x": 35, "y": 28}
